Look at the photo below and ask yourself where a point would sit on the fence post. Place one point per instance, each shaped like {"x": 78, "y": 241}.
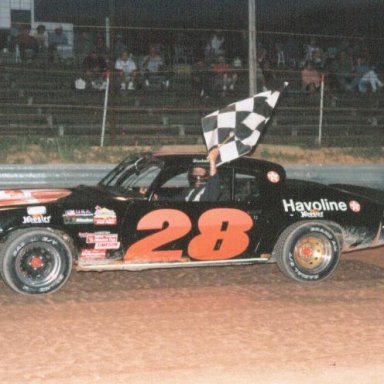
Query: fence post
{"x": 104, "y": 112}
{"x": 321, "y": 110}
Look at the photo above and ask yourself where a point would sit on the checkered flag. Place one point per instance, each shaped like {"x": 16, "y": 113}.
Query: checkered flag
{"x": 236, "y": 128}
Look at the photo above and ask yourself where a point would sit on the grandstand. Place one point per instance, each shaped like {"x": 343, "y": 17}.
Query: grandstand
{"x": 40, "y": 102}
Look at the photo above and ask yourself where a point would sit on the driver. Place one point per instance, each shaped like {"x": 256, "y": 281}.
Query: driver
{"x": 204, "y": 183}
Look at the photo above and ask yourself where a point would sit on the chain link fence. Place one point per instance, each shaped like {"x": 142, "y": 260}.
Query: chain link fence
{"x": 53, "y": 91}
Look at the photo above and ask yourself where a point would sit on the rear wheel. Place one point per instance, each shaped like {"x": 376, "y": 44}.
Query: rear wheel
{"x": 35, "y": 261}
{"x": 308, "y": 251}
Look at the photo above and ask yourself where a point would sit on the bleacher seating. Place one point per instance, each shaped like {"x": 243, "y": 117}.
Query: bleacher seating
{"x": 38, "y": 102}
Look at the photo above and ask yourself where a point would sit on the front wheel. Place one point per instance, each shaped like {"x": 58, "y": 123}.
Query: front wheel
{"x": 35, "y": 261}
{"x": 307, "y": 251}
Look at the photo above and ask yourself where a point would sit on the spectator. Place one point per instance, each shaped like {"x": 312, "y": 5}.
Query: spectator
{"x": 292, "y": 53}
{"x": 120, "y": 47}
{"x": 153, "y": 66}
{"x": 41, "y": 37}
{"x": 57, "y": 43}
{"x": 84, "y": 46}
{"x": 13, "y": 36}
{"x": 26, "y": 43}
{"x": 266, "y": 76}
{"x": 225, "y": 77}
{"x": 215, "y": 47}
{"x": 262, "y": 53}
{"x": 202, "y": 79}
{"x": 94, "y": 67}
{"x": 128, "y": 74}
{"x": 318, "y": 59}
{"x": 182, "y": 50}
{"x": 365, "y": 76}
{"x": 341, "y": 72}
{"x": 310, "y": 78}
{"x": 101, "y": 47}
{"x": 311, "y": 48}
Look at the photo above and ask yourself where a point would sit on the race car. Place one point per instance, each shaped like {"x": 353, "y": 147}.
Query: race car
{"x": 132, "y": 220}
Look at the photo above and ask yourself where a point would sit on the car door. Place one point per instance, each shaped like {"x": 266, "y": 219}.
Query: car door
{"x": 164, "y": 229}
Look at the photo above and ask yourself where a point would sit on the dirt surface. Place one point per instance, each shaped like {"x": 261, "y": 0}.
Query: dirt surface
{"x": 246, "y": 324}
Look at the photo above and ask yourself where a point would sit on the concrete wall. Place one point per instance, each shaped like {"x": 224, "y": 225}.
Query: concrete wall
{"x": 14, "y": 176}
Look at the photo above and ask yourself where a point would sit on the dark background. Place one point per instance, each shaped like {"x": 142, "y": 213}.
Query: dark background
{"x": 362, "y": 17}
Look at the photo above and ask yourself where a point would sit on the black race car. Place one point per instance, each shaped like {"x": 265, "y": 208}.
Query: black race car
{"x": 133, "y": 220}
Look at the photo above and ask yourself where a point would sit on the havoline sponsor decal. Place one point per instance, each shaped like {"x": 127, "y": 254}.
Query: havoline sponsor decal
{"x": 314, "y": 208}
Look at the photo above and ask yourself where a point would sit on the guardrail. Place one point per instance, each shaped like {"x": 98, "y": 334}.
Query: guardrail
{"x": 64, "y": 175}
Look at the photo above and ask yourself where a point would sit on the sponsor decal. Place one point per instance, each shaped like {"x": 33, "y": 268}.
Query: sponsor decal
{"x": 273, "y": 177}
{"x": 93, "y": 238}
{"x": 312, "y": 214}
{"x": 104, "y": 216}
{"x": 39, "y": 210}
{"x": 83, "y": 235}
{"x": 103, "y": 241}
{"x": 314, "y": 208}
{"x": 78, "y": 216}
{"x": 36, "y": 219}
{"x": 93, "y": 254}
{"x": 107, "y": 245}
{"x": 200, "y": 161}
{"x": 354, "y": 206}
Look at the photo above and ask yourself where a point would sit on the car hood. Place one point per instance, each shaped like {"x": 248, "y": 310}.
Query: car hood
{"x": 366, "y": 192}
{"x": 10, "y": 197}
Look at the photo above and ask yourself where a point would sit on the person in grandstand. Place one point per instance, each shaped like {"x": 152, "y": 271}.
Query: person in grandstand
{"x": 127, "y": 71}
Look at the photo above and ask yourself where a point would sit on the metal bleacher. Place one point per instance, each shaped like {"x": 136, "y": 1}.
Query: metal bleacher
{"x": 40, "y": 102}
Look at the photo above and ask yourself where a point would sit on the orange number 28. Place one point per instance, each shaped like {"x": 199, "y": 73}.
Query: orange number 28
{"x": 222, "y": 235}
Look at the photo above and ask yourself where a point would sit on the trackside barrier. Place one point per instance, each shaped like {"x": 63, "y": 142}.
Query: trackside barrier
{"x": 41, "y": 176}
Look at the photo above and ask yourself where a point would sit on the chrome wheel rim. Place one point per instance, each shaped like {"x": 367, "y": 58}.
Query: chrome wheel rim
{"x": 312, "y": 253}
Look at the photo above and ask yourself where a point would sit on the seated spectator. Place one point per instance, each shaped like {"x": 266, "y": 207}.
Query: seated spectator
{"x": 202, "y": 79}
{"x": 225, "y": 77}
{"x": 128, "y": 74}
{"x": 310, "y": 78}
{"x": 311, "y": 48}
{"x": 14, "y": 33}
{"x": 340, "y": 72}
{"x": 101, "y": 47}
{"x": 292, "y": 53}
{"x": 266, "y": 76}
{"x": 365, "y": 76}
{"x": 120, "y": 47}
{"x": 94, "y": 67}
{"x": 153, "y": 67}
{"x": 57, "y": 42}
{"x": 84, "y": 46}
{"x": 262, "y": 53}
{"x": 182, "y": 50}
{"x": 318, "y": 59}
{"x": 215, "y": 47}
{"x": 26, "y": 43}
{"x": 41, "y": 37}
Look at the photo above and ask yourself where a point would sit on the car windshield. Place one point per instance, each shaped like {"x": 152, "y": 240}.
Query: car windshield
{"x": 132, "y": 174}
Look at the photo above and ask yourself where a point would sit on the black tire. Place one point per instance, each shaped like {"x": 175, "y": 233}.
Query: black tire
{"x": 308, "y": 251}
{"x": 35, "y": 261}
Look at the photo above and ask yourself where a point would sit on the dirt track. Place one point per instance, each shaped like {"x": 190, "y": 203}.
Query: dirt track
{"x": 215, "y": 325}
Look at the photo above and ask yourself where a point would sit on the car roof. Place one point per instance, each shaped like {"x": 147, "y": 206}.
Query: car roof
{"x": 245, "y": 162}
